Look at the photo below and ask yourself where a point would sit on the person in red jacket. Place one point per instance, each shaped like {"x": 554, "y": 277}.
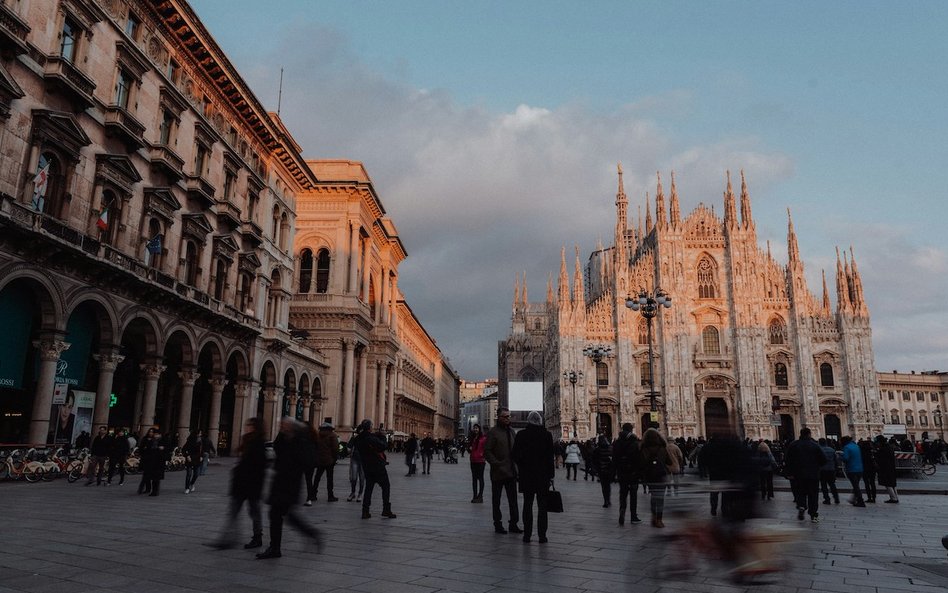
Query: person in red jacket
{"x": 477, "y": 442}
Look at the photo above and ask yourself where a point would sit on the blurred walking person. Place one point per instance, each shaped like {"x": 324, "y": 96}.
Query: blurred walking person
{"x": 478, "y": 463}
{"x": 602, "y": 460}
{"x": 627, "y": 458}
{"x": 327, "y": 453}
{"x": 533, "y": 453}
{"x": 356, "y": 474}
{"x": 246, "y": 485}
{"x": 656, "y": 463}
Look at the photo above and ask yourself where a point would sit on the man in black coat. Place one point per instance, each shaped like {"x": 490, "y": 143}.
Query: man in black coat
{"x": 371, "y": 448}
{"x": 427, "y": 452}
{"x": 285, "y": 487}
{"x": 101, "y": 446}
{"x": 803, "y": 461}
{"x": 627, "y": 459}
{"x": 118, "y": 455}
{"x": 246, "y": 484}
{"x": 534, "y": 455}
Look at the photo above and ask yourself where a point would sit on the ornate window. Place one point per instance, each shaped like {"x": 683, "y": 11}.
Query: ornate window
{"x": 710, "y": 340}
{"x": 826, "y": 375}
{"x": 244, "y": 299}
{"x": 154, "y": 247}
{"x": 934, "y": 396}
{"x": 48, "y": 185}
{"x": 284, "y": 231}
{"x": 906, "y": 397}
{"x": 707, "y": 279}
{"x": 780, "y": 375}
{"x": 778, "y": 331}
{"x": 306, "y": 270}
{"x": 220, "y": 279}
{"x": 646, "y": 373}
{"x": 920, "y": 396}
{"x": 109, "y": 218}
{"x": 895, "y": 417}
{"x": 69, "y": 40}
{"x": 922, "y": 418}
{"x": 891, "y": 396}
{"x": 528, "y": 376}
{"x": 602, "y": 374}
{"x": 936, "y": 416}
{"x": 643, "y": 332}
{"x": 190, "y": 263}
{"x": 322, "y": 271}
{"x": 909, "y": 418}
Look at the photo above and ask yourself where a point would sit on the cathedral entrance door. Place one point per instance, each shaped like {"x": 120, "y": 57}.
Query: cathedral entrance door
{"x": 646, "y": 420}
{"x": 832, "y": 427}
{"x": 715, "y": 415}
{"x": 605, "y": 425}
{"x": 787, "y": 432}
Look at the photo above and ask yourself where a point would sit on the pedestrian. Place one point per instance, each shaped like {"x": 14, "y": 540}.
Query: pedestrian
{"x": 156, "y": 454}
{"x": 356, "y": 474}
{"x": 193, "y": 452}
{"x": 411, "y": 450}
{"x": 498, "y": 452}
{"x": 118, "y": 455}
{"x": 852, "y": 461}
{"x": 869, "y": 469}
{"x": 371, "y": 448}
{"x": 145, "y": 460}
{"x": 309, "y": 465}
{"x": 677, "y": 466}
{"x": 602, "y": 460}
{"x": 627, "y": 459}
{"x": 477, "y": 442}
{"x": 285, "y": 487}
{"x": 656, "y": 462}
{"x": 885, "y": 467}
{"x": 101, "y": 447}
{"x": 573, "y": 456}
{"x": 804, "y": 459}
{"x": 246, "y": 485}
{"x": 427, "y": 452}
{"x": 828, "y": 472}
{"x": 327, "y": 453}
{"x": 765, "y": 466}
{"x": 533, "y": 453}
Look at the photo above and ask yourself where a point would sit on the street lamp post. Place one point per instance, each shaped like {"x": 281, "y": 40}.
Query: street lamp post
{"x": 649, "y": 304}
{"x": 597, "y": 353}
{"x": 573, "y": 376}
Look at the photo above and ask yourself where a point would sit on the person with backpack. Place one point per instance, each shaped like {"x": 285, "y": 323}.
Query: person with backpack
{"x": 327, "y": 453}
{"x": 627, "y": 461}
{"x": 602, "y": 460}
{"x": 655, "y": 461}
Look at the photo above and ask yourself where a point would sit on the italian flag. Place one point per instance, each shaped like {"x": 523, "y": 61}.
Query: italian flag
{"x": 103, "y": 221}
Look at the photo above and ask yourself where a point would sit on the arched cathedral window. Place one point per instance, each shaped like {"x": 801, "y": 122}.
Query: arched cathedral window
{"x": 826, "y": 375}
{"x": 710, "y": 340}
{"x": 306, "y": 270}
{"x": 707, "y": 279}
{"x": 780, "y": 375}
{"x": 602, "y": 374}
{"x": 778, "y": 332}
{"x": 642, "y": 337}
{"x": 646, "y": 374}
{"x": 322, "y": 271}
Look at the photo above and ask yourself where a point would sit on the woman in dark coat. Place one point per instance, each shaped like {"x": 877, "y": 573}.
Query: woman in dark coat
{"x": 885, "y": 466}
{"x": 602, "y": 460}
{"x": 655, "y": 470}
{"x": 534, "y": 455}
{"x": 155, "y": 451}
{"x": 869, "y": 468}
{"x": 411, "y": 449}
{"x": 246, "y": 484}
{"x": 289, "y": 465}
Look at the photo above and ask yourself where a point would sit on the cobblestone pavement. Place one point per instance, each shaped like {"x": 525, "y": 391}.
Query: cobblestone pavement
{"x": 67, "y": 538}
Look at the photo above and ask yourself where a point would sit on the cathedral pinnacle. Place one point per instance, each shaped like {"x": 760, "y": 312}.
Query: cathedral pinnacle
{"x": 516, "y": 299}
{"x": 730, "y": 210}
{"x": 564, "y": 297}
{"x": 826, "y": 296}
{"x": 523, "y": 294}
{"x": 792, "y": 247}
{"x": 842, "y": 286}
{"x": 578, "y": 284}
{"x": 648, "y": 214}
{"x": 622, "y": 205}
{"x": 660, "y": 218}
{"x": 859, "y": 303}
{"x": 675, "y": 209}
{"x": 746, "y": 219}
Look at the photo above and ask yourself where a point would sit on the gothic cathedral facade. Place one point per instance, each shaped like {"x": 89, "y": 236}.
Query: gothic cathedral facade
{"x": 745, "y": 340}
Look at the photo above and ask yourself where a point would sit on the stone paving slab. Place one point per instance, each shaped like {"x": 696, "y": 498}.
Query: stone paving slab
{"x": 68, "y": 538}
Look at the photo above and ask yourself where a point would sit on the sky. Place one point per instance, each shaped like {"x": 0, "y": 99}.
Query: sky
{"x": 491, "y": 131}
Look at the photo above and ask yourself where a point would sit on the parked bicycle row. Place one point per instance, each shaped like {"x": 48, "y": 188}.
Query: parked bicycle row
{"x": 33, "y": 466}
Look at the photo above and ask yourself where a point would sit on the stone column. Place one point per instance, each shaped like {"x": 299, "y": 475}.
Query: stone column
{"x": 293, "y": 399}
{"x": 354, "y": 261}
{"x": 271, "y": 418}
{"x": 383, "y": 297}
{"x": 49, "y": 351}
{"x": 188, "y": 378}
{"x": 363, "y": 379}
{"x": 307, "y": 400}
{"x": 108, "y": 361}
{"x": 241, "y": 415}
{"x": 369, "y": 407}
{"x": 150, "y": 372}
{"x": 214, "y": 421}
{"x": 378, "y": 413}
{"x": 390, "y": 408}
{"x": 348, "y": 395}
{"x": 366, "y": 268}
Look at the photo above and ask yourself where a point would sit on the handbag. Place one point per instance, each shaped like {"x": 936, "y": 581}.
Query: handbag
{"x": 554, "y": 500}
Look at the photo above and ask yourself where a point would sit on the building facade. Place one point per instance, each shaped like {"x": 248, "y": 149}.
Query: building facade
{"x": 745, "y": 341}
{"x": 148, "y": 213}
{"x": 915, "y": 401}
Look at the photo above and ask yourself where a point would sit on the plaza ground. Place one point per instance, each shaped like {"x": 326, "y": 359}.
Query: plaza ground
{"x": 68, "y": 538}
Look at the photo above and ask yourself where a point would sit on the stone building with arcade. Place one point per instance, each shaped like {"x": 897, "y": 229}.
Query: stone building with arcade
{"x": 746, "y": 340}
{"x": 148, "y": 243}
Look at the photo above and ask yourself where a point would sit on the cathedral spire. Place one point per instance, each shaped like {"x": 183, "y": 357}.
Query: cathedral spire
{"x": 675, "y": 209}
{"x": 564, "y": 297}
{"x": 826, "y": 296}
{"x": 579, "y": 300}
{"x": 730, "y": 211}
{"x": 792, "y": 247}
{"x": 648, "y": 214}
{"x": 859, "y": 303}
{"x": 746, "y": 219}
{"x": 516, "y": 299}
{"x": 523, "y": 294}
{"x": 622, "y": 205}
{"x": 660, "y": 217}
{"x": 842, "y": 286}
{"x": 641, "y": 236}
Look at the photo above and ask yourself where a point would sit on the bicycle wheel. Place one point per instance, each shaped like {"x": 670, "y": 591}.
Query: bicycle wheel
{"x": 74, "y": 471}
{"x": 928, "y": 469}
{"x": 33, "y": 474}
{"x": 50, "y": 475}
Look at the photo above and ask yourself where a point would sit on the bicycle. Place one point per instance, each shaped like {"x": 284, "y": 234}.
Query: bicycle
{"x": 922, "y": 466}
{"x": 31, "y": 471}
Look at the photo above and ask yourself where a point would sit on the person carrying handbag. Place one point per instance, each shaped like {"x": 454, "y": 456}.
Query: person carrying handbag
{"x": 534, "y": 454}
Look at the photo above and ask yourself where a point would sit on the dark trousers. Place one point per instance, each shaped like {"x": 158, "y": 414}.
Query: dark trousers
{"x": 426, "y": 463}
{"x": 657, "y": 499}
{"x": 869, "y": 479}
{"x": 310, "y": 486}
{"x": 477, "y": 478}
{"x": 191, "y": 473}
{"x": 320, "y": 470}
{"x": 115, "y": 462}
{"x": 230, "y": 529}
{"x": 606, "y": 486}
{"x": 510, "y": 485}
{"x": 628, "y": 491}
{"x": 149, "y": 486}
{"x": 854, "y": 479}
{"x": 575, "y": 468}
{"x": 766, "y": 485}
{"x": 727, "y": 502}
{"x": 277, "y": 513}
{"x": 828, "y": 484}
{"x": 373, "y": 476}
{"x": 806, "y": 494}
{"x": 528, "y": 514}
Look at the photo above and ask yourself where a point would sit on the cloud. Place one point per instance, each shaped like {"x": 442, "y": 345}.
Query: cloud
{"x": 479, "y": 196}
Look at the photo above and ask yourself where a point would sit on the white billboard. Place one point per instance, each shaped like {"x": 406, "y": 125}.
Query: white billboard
{"x": 525, "y": 396}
